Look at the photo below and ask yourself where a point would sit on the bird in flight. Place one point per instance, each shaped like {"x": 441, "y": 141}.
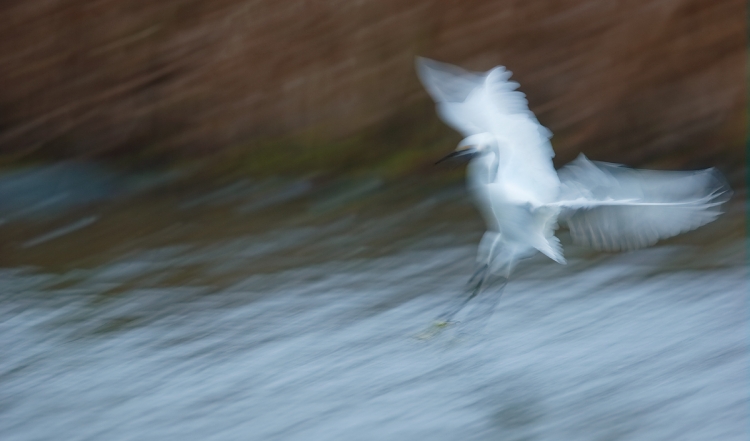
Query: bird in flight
{"x": 523, "y": 198}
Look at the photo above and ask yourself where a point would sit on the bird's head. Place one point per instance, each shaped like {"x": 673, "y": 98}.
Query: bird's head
{"x": 470, "y": 147}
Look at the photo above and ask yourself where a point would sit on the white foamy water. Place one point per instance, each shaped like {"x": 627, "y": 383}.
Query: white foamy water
{"x": 609, "y": 348}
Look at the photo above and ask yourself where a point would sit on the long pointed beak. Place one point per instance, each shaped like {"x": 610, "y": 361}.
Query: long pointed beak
{"x": 458, "y": 154}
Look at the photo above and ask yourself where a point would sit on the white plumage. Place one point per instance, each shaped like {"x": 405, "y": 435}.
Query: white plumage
{"x": 522, "y": 197}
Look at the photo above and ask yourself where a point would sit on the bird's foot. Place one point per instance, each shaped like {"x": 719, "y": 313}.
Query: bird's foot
{"x": 436, "y": 328}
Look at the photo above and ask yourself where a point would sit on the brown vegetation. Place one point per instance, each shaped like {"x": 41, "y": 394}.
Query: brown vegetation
{"x": 643, "y": 81}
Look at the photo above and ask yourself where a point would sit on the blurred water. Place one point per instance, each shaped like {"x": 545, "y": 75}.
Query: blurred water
{"x": 170, "y": 318}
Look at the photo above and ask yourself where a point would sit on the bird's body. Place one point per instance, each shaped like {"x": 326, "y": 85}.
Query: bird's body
{"x": 522, "y": 198}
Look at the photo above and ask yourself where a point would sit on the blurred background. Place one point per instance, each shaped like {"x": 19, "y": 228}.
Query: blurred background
{"x": 221, "y": 220}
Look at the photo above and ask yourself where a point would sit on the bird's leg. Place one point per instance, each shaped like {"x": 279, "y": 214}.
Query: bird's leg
{"x": 482, "y": 311}
{"x": 479, "y": 271}
{"x": 456, "y": 306}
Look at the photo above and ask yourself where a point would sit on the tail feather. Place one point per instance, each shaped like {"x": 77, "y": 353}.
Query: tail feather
{"x": 546, "y": 241}
{"x": 552, "y": 248}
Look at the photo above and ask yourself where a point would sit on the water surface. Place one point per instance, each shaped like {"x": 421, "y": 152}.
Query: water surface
{"x": 289, "y": 311}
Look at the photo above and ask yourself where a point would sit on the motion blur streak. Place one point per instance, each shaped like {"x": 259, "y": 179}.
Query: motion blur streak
{"x": 220, "y": 220}
{"x": 513, "y": 182}
{"x": 639, "y": 80}
{"x": 217, "y": 328}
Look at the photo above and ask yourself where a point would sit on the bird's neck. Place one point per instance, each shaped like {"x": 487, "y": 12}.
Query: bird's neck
{"x": 482, "y": 170}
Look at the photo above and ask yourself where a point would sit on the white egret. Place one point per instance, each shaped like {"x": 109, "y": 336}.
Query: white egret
{"x": 522, "y": 198}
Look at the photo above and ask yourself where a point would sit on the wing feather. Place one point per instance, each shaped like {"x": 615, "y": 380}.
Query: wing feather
{"x": 611, "y": 207}
{"x": 450, "y": 86}
{"x": 474, "y": 103}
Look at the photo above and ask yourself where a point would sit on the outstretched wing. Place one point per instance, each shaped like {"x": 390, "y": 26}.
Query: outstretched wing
{"x": 488, "y": 102}
{"x": 471, "y": 102}
{"x": 450, "y": 86}
{"x": 611, "y": 207}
